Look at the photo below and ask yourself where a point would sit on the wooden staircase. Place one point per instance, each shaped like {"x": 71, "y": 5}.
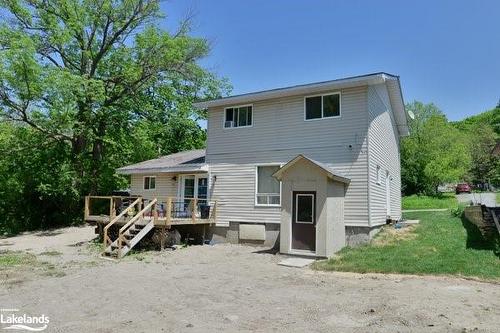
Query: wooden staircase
{"x": 132, "y": 232}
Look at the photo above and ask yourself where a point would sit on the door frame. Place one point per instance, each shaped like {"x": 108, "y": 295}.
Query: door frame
{"x": 180, "y": 185}
{"x": 299, "y": 251}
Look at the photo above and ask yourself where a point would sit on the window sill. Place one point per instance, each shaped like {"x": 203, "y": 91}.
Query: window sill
{"x": 236, "y": 127}
{"x": 322, "y": 118}
{"x": 264, "y": 205}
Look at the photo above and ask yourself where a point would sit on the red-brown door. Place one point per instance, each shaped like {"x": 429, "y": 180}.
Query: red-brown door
{"x": 304, "y": 220}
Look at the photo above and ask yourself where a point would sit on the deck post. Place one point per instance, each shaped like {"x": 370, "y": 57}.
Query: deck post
{"x": 168, "y": 215}
{"x": 86, "y": 210}
{"x": 193, "y": 210}
{"x": 214, "y": 212}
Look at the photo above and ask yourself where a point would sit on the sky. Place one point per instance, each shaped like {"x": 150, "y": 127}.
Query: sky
{"x": 445, "y": 52}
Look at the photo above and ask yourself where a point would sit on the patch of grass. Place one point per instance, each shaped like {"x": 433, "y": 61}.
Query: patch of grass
{"x": 10, "y": 259}
{"x": 95, "y": 246}
{"x": 444, "y": 200}
{"x": 498, "y": 198}
{"x": 18, "y": 267}
{"x": 50, "y": 253}
{"x": 441, "y": 244}
{"x": 139, "y": 255}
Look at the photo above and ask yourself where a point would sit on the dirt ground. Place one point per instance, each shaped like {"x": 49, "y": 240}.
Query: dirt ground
{"x": 232, "y": 288}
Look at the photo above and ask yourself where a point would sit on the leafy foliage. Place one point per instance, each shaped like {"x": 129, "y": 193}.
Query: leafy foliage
{"x": 438, "y": 151}
{"x": 434, "y": 153}
{"x": 86, "y": 87}
{"x": 483, "y": 132}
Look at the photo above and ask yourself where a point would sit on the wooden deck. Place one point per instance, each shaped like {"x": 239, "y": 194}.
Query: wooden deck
{"x": 137, "y": 216}
{"x": 161, "y": 221}
{"x": 170, "y": 214}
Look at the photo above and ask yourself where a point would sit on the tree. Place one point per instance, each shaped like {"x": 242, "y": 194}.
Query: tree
{"x": 484, "y": 166}
{"x": 99, "y": 84}
{"x": 434, "y": 153}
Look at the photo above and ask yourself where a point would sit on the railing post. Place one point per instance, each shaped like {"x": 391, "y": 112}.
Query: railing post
{"x": 86, "y": 209}
{"x": 193, "y": 210}
{"x": 169, "y": 211}
{"x": 112, "y": 209}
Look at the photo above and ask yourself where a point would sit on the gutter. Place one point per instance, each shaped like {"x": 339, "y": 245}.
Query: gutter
{"x": 349, "y": 82}
{"x": 173, "y": 169}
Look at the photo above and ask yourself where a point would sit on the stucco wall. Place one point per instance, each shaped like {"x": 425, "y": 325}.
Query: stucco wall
{"x": 330, "y": 235}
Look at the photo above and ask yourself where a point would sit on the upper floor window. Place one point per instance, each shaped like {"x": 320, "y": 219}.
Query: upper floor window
{"x": 240, "y": 116}
{"x": 268, "y": 188}
{"x": 322, "y": 106}
{"x": 149, "y": 182}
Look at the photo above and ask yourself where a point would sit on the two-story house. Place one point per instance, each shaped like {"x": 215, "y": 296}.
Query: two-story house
{"x": 313, "y": 166}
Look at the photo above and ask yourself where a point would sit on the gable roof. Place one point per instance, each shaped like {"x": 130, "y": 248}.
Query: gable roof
{"x": 330, "y": 172}
{"x": 392, "y": 82}
{"x": 190, "y": 160}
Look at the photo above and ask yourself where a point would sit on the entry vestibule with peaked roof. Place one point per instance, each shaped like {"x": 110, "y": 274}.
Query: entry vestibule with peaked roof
{"x": 312, "y": 210}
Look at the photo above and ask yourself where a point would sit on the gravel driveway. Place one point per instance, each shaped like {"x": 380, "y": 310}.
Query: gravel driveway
{"x": 237, "y": 288}
{"x": 489, "y": 199}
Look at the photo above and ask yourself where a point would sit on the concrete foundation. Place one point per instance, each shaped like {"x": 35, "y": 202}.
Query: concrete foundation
{"x": 354, "y": 236}
{"x": 231, "y": 234}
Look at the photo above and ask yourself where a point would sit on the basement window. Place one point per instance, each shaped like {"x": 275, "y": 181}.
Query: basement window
{"x": 150, "y": 182}
{"x": 322, "y": 106}
{"x": 238, "y": 116}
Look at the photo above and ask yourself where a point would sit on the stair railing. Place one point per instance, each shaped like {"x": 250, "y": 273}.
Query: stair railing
{"x": 107, "y": 241}
{"x": 139, "y": 215}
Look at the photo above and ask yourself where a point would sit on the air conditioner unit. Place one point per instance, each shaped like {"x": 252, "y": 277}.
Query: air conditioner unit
{"x": 229, "y": 124}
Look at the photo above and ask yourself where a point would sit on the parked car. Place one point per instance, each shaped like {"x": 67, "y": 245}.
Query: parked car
{"x": 463, "y": 188}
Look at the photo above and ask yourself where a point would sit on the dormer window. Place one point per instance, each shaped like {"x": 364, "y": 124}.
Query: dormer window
{"x": 322, "y": 106}
{"x": 238, "y": 116}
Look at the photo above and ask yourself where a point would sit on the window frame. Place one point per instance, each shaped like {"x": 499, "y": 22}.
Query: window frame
{"x": 236, "y": 107}
{"x": 313, "y": 206}
{"x": 322, "y": 109}
{"x": 149, "y": 183}
{"x": 257, "y": 186}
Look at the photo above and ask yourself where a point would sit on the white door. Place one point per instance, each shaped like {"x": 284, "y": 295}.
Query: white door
{"x": 194, "y": 186}
{"x": 388, "y": 193}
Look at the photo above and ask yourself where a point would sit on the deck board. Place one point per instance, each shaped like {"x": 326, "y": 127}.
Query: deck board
{"x": 104, "y": 219}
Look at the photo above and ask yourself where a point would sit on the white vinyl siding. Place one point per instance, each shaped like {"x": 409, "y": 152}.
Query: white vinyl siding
{"x": 384, "y": 158}
{"x": 165, "y": 186}
{"x": 279, "y": 133}
{"x": 234, "y": 190}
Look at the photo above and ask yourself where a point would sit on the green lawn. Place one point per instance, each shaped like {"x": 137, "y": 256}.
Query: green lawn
{"x": 441, "y": 244}
{"x": 498, "y": 197}
{"x": 445, "y": 200}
